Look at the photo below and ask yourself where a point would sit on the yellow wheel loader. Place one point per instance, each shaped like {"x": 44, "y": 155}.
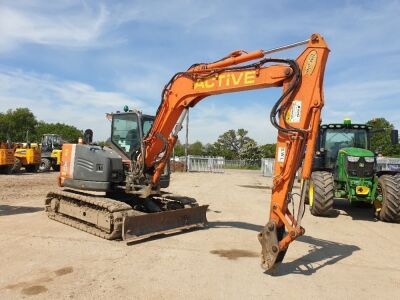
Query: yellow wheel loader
{"x": 27, "y": 155}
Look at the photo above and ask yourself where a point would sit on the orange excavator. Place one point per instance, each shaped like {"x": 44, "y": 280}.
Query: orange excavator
{"x": 131, "y": 172}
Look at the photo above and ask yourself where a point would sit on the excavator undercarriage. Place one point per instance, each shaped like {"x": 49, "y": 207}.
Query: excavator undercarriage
{"x": 123, "y": 217}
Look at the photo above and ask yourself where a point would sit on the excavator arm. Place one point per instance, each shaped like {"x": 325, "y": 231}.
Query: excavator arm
{"x": 296, "y": 115}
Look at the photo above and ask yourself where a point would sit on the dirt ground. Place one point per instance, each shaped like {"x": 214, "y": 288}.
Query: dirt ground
{"x": 350, "y": 255}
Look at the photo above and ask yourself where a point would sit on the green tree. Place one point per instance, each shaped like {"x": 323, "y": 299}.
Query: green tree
{"x": 217, "y": 149}
{"x": 380, "y": 141}
{"x": 250, "y": 150}
{"x": 179, "y": 149}
{"x": 67, "y": 132}
{"x": 232, "y": 142}
{"x": 267, "y": 150}
{"x": 196, "y": 149}
{"x": 16, "y": 123}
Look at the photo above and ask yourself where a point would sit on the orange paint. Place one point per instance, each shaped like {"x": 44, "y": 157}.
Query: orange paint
{"x": 213, "y": 79}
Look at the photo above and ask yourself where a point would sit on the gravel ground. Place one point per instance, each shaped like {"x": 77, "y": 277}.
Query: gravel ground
{"x": 348, "y": 256}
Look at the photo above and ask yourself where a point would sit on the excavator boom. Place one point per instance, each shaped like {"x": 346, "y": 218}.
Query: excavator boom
{"x": 132, "y": 171}
{"x": 296, "y": 115}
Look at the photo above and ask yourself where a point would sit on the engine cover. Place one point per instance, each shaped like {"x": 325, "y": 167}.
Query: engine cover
{"x": 89, "y": 167}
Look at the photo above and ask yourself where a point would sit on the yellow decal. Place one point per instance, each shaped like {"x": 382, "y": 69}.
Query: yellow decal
{"x": 227, "y": 80}
{"x": 362, "y": 190}
{"x": 293, "y": 115}
{"x": 310, "y": 63}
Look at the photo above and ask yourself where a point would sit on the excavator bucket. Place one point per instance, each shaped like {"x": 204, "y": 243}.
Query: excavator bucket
{"x": 144, "y": 226}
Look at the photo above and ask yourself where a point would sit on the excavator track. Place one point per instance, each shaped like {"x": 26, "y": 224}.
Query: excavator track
{"x": 112, "y": 219}
{"x": 96, "y": 215}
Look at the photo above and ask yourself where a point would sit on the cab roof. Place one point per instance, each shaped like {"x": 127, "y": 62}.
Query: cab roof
{"x": 346, "y": 126}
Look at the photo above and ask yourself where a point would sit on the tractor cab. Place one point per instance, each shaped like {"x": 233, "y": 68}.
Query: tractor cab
{"x": 335, "y": 137}
{"x": 51, "y": 142}
{"x": 51, "y": 152}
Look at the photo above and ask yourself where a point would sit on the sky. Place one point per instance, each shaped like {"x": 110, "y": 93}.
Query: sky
{"x": 74, "y": 61}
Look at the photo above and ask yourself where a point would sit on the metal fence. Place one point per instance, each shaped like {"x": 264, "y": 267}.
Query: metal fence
{"x": 267, "y": 166}
{"x": 205, "y": 164}
{"x": 242, "y": 163}
{"x": 388, "y": 164}
{"x": 383, "y": 164}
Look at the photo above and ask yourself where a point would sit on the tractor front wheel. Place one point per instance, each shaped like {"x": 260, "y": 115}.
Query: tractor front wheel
{"x": 389, "y": 188}
{"x": 321, "y": 193}
{"x": 45, "y": 165}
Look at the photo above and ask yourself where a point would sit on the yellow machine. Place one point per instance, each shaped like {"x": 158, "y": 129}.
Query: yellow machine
{"x": 28, "y": 156}
{"x": 7, "y": 159}
{"x": 56, "y": 157}
{"x": 51, "y": 152}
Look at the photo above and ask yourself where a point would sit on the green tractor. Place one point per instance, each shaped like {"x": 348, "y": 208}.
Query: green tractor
{"x": 345, "y": 167}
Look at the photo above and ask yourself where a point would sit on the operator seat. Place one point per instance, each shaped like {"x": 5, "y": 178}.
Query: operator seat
{"x": 132, "y": 139}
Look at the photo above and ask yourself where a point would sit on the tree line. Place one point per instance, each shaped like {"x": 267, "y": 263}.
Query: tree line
{"x": 233, "y": 144}
{"x": 21, "y": 125}
{"x": 238, "y": 145}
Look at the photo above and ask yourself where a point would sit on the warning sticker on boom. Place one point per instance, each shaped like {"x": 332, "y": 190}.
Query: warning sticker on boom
{"x": 281, "y": 154}
{"x": 294, "y": 114}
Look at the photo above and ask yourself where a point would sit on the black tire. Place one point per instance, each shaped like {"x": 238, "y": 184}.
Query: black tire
{"x": 56, "y": 167}
{"x": 389, "y": 186}
{"x": 321, "y": 193}
{"x": 32, "y": 168}
{"x": 397, "y": 176}
{"x": 8, "y": 169}
{"x": 16, "y": 168}
{"x": 45, "y": 165}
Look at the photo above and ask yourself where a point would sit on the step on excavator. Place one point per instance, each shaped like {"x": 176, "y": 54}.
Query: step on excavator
{"x": 130, "y": 173}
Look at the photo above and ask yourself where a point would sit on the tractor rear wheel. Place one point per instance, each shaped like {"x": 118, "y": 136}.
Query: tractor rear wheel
{"x": 389, "y": 187}
{"x": 45, "y": 165}
{"x": 321, "y": 193}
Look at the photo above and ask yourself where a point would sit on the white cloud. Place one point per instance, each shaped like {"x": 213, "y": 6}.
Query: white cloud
{"x": 208, "y": 120}
{"x": 363, "y": 101}
{"x": 79, "y": 28}
{"x": 54, "y": 100}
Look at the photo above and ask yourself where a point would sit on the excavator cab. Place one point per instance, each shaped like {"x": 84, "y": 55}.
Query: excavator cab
{"x": 126, "y": 134}
{"x": 128, "y": 129}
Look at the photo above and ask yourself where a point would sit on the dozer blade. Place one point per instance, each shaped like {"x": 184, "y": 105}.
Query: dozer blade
{"x": 141, "y": 227}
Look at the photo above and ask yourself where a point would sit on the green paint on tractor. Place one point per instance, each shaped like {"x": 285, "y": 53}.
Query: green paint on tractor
{"x": 345, "y": 167}
{"x": 354, "y": 175}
